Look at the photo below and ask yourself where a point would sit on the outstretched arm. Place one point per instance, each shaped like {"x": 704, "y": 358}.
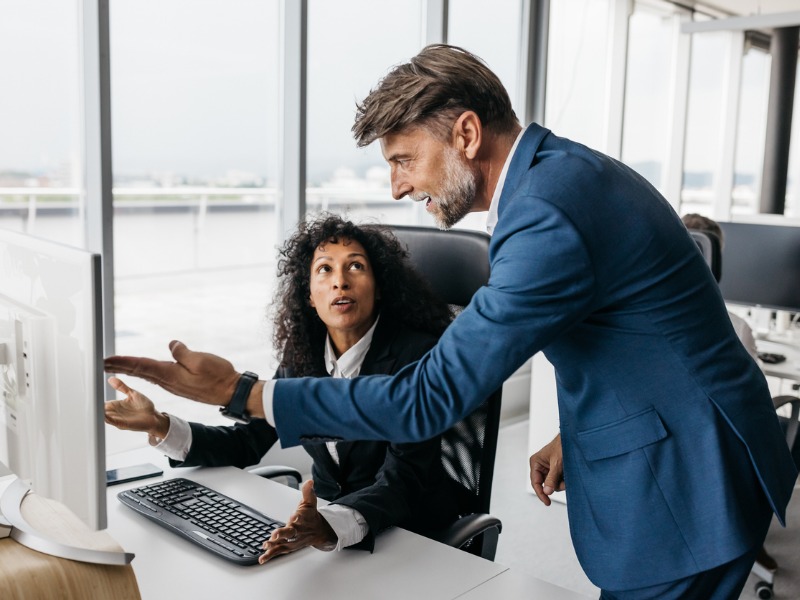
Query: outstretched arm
{"x": 547, "y": 470}
{"x": 199, "y": 376}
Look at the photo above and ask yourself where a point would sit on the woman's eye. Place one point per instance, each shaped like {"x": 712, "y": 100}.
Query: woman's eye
{"x": 324, "y": 269}
{"x": 357, "y": 266}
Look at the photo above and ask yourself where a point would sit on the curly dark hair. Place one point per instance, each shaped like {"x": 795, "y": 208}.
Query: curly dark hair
{"x": 405, "y": 298}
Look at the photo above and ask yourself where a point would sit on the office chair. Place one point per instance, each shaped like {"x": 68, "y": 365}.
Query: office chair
{"x": 711, "y": 249}
{"x": 456, "y": 264}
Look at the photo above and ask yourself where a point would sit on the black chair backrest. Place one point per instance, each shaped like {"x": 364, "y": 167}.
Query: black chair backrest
{"x": 711, "y": 249}
{"x": 455, "y": 264}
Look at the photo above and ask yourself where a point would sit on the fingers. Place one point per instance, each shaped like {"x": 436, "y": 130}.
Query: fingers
{"x": 538, "y": 474}
{"x": 282, "y": 541}
{"x": 119, "y": 385}
{"x": 178, "y": 350}
{"x": 309, "y": 497}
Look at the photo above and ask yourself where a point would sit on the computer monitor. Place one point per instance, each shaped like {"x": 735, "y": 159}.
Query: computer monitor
{"x": 761, "y": 265}
{"x": 51, "y": 377}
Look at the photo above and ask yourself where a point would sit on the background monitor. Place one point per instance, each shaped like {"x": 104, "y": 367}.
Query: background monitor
{"x": 51, "y": 378}
{"x": 761, "y": 265}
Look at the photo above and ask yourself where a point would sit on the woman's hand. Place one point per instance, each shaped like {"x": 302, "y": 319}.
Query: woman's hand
{"x": 135, "y": 412}
{"x": 306, "y": 527}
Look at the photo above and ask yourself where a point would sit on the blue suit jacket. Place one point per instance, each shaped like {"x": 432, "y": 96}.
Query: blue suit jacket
{"x": 668, "y": 430}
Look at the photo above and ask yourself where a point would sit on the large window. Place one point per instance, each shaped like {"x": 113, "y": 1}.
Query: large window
{"x": 344, "y": 63}
{"x": 651, "y": 41}
{"x": 40, "y": 168}
{"x": 576, "y": 70}
{"x": 195, "y": 90}
{"x": 703, "y": 142}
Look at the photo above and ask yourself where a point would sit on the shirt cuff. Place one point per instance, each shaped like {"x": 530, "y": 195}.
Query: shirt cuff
{"x": 347, "y": 523}
{"x": 178, "y": 441}
{"x": 266, "y": 399}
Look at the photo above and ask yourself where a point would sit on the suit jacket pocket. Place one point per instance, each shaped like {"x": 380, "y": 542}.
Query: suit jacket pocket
{"x": 620, "y": 437}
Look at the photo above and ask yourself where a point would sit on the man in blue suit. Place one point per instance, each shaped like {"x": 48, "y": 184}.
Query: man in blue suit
{"x": 673, "y": 457}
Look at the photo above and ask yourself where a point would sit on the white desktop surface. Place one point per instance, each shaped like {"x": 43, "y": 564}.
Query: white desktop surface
{"x": 788, "y": 369}
{"x": 512, "y": 585}
{"x": 404, "y": 565}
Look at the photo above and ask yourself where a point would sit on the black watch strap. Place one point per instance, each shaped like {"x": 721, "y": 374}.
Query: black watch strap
{"x": 236, "y": 408}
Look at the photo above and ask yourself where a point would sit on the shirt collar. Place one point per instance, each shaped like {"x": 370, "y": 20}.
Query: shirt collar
{"x": 348, "y": 365}
{"x": 491, "y": 218}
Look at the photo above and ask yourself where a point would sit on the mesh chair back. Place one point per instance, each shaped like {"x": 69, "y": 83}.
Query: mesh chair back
{"x": 455, "y": 264}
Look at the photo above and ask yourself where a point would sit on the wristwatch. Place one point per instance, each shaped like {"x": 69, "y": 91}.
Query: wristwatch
{"x": 236, "y": 407}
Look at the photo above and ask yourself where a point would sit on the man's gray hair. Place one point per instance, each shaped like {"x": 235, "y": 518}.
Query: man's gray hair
{"x": 431, "y": 91}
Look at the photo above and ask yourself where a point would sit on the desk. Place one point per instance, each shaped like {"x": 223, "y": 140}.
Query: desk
{"x": 512, "y": 585}
{"x": 788, "y": 369}
{"x": 404, "y": 565}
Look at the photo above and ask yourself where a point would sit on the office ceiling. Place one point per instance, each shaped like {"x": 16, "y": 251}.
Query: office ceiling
{"x": 749, "y": 7}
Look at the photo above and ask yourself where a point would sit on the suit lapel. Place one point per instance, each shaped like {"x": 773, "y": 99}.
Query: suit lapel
{"x": 524, "y": 157}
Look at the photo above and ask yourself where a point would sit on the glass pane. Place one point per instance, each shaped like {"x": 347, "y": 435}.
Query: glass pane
{"x": 576, "y": 70}
{"x": 344, "y": 63}
{"x": 40, "y": 119}
{"x": 195, "y": 89}
{"x": 645, "y": 141}
{"x": 703, "y": 122}
{"x": 494, "y": 35}
{"x": 751, "y": 131}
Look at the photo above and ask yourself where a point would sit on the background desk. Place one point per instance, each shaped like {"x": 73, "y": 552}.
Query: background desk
{"x": 404, "y": 565}
{"x": 788, "y": 369}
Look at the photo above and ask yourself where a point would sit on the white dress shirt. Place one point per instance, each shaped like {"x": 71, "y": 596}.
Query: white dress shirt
{"x": 348, "y": 524}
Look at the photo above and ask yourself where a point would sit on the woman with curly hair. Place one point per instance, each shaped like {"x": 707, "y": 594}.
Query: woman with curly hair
{"x": 347, "y": 304}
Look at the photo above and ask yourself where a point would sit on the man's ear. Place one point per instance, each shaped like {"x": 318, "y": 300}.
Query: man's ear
{"x": 468, "y": 134}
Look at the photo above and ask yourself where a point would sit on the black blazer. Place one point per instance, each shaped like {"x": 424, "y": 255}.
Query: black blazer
{"x": 389, "y": 484}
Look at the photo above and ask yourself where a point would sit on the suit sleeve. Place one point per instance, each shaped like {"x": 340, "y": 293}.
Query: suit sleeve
{"x": 219, "y": 446}
{"x": 542, "y": 282}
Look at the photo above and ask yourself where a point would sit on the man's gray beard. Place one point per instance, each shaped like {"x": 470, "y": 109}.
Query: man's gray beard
{"x": 458, "y": 191}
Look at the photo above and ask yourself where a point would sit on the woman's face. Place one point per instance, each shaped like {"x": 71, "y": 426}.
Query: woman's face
{"x": 343, "y": 290}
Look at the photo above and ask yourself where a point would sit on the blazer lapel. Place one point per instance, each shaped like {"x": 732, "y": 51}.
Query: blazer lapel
{"x": 378, "y": 361}
{"x": 523, "y": 159}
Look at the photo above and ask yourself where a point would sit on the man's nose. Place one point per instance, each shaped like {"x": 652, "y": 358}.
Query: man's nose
{"x": 400, "y": 188}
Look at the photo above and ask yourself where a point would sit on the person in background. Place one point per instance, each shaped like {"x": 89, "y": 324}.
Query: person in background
{"x": 347, "y": 304}
{"x": 673, "y": 457}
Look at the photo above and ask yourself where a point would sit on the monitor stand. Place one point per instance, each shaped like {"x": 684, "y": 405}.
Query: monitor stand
{"x": 11, "y": 518}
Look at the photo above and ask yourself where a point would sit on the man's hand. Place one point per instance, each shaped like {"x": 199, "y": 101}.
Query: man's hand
{"x": 547, "y": 470}
{"x": 306, "y": 527}
{"x": 136, "y": 412}
{"x": 198, "y": 376}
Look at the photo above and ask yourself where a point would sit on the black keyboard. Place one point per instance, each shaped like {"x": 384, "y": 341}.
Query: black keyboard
{"x": 212, "y": 520}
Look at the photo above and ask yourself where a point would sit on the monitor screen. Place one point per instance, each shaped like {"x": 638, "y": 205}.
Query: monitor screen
{"x": 51, "y": 406}
{"x": 761, "y": 265}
